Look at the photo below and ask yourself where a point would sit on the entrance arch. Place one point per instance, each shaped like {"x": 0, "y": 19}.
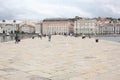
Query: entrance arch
{"x": 27, "y": 27}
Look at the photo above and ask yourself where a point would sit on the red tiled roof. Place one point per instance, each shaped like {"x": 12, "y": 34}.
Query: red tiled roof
{"x": 108, "y": 24}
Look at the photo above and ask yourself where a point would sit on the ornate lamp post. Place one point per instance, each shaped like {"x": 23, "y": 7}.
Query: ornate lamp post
{"x": 3, "y": 25}
{"x": 76, "y": 28}
{"x": 114, "y": 26}
{"x": 14, "y": 21}
{"x": 14, "y": 27}
{"x": 76, "y": 31}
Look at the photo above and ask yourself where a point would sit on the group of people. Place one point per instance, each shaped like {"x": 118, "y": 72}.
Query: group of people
{"x": 17, "y": 38}
{"x": 49, "y": 36}
{"x": 40, "y": 36}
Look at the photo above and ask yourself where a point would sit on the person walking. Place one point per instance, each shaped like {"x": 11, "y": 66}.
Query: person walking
{"x": 40, "y": 36}
{"x": 16, "y": 38}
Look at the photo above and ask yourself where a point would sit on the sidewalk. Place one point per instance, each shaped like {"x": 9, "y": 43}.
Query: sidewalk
{"x": 64, "y": 58}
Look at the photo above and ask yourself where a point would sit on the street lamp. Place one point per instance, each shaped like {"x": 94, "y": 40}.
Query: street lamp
{"x": 14, "y": 21}
{"x": 76, "y": 27}
{"x": 76, "y": 31}
{"x": 114, "y": 25}
{"x": 3, "y": 25}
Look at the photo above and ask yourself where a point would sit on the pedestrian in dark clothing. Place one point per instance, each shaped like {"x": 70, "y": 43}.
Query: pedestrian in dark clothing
{"x": 16, "y": 38}
{"x": 33, "y": 37}
{"x": 40, "y": 36}
{"x": 96, "y": 40}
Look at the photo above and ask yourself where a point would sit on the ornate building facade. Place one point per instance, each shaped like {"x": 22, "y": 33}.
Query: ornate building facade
{"x": 77, "y": 25}
{"x": 57, "y": 26}
{"x": 21, "y": 26}
{"x": 8, "y": 26}
{"x": 110, "y": 28}
{"x": 85, "y": 26}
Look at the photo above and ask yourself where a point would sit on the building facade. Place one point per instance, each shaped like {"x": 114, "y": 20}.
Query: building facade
{"x": 38, "y": 27}
{"x": 8, "y": 27}
{"x": 85, "y": 26}
{"x": 77, "y": 25}
{"x": 57, "y": 26}
{"x": 21, "y": 26}
{"x": 117, "y": 28}
{"x": 110, "y": 28}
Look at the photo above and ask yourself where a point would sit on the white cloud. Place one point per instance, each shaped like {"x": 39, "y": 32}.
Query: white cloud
{"x": 114, "y": 9}
{"x": 40, "y": 9}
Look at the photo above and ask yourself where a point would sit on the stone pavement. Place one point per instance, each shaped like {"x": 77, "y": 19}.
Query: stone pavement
{"x": 64, "y": 58}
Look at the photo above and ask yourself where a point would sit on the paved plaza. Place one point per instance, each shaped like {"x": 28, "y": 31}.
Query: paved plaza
{"x": 64, "y": 58}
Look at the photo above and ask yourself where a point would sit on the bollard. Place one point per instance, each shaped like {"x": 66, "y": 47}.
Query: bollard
{"x": 97, "y": 40}
{"x": 33, "y": 37}
{"x": 83, "y": 37}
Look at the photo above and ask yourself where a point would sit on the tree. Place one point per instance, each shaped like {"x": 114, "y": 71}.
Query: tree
{"x": 110, "y": 18}
{"x": 3, "y": 20}
{"x": 11, "y": 32}
{"x": 14, "y": 21}
{"x": 3, "y": 31}
{"x": 119, "y": 19}
{"x": 23, "y": 32}
{"x": 17, "y": 32}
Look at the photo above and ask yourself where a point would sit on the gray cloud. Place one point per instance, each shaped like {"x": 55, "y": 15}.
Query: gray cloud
{"x": 40, "y": 9}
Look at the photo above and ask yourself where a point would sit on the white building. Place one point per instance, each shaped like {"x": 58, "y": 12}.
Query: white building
{"x": 110, "y": 28}
{"x": 117, "y": 28}
{"x": 85, "y": 26}
{"x": 8, "y": 26}
{"x": 38, "y": 27}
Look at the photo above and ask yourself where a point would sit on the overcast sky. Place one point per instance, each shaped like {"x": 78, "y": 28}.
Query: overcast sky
{"x": 40, "y": 9}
